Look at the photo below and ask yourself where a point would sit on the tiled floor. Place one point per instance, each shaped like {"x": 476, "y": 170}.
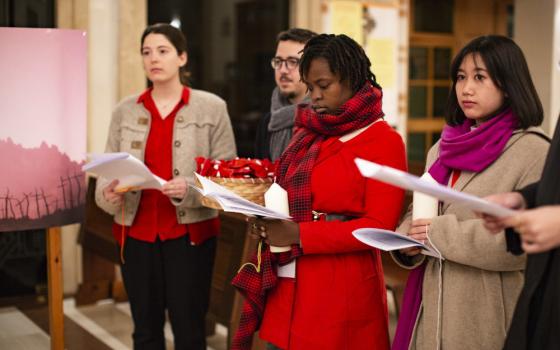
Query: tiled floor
{"x": 105, "y": 325}
{"x": 19, "y": 332}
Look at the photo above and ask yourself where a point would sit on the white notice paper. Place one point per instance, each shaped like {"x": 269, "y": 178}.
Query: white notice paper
{"x": 232, "y": 202}
{"x": 410, "y": 182}
{"x": 130, "y": 171}
{"x": 389, "y": 240}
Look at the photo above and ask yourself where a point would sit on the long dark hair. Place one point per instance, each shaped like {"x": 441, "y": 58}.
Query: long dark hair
{"x": 345, "y": 57}
{"x": 508, "y": 69}
{"x": 176, "y": 38}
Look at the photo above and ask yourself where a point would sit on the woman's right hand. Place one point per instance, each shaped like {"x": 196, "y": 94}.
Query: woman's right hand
{"x": 115, "y": 198}
{"x": 418, "y": 231}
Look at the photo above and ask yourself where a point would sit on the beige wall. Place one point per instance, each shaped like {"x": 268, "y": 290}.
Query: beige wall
{"x": 71, "y": 14}
{"x": 537, "y": 31}
{"x": 114, "y": 71}
{"x": 307, "y": 14}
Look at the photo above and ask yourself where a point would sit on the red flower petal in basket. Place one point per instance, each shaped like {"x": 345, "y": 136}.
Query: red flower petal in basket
{"x": 204, "y": 166}
{"x": 223, "y": 172}
{"x": 258, "y": 170}
{"x": 239, "y": 162}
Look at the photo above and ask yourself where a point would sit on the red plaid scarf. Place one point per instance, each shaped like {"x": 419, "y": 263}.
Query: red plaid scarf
{"x": 294, "y": 175}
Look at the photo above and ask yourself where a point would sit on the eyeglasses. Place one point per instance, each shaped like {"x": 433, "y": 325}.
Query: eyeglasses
{"x": 291, "y": 63}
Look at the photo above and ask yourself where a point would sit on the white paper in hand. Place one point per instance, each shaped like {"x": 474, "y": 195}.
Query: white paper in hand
{"x": 407, "y": 181}
{"x": 129, "y": 170}
{"x": 389, "y": 240}
{"x": 232, "y": 202}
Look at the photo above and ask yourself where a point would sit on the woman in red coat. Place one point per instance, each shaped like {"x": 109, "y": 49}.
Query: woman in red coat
{"x": 336, "y": 297}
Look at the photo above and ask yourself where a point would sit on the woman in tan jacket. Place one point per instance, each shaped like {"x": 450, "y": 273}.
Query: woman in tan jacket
{"x": 167, "y": 238}
{"x": 491, "y": 144}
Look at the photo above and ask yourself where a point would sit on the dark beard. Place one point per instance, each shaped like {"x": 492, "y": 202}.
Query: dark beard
{"x": 289, "y": 96}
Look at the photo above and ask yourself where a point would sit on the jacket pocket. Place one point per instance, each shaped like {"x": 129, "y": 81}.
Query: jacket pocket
{"x": 133, "y": 138}
{"x": 197, "y": 135}
{"x": 194, "y": 127}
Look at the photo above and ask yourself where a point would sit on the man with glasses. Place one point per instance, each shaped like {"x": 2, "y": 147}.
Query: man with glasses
{"x": 275, "y": 128}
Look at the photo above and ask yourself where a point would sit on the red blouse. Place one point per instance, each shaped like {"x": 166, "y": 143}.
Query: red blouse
{"x": 156, "y": 215}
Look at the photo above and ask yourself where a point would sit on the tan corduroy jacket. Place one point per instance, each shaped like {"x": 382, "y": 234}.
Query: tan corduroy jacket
{"x": 202, "y": 128}
{"x": 480, "y": 279}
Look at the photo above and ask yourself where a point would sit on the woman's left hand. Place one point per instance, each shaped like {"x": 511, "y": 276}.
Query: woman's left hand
{"x": 176, "y": 188}
{"x": 280, "y": 233}
{"x": 419, "y": 229}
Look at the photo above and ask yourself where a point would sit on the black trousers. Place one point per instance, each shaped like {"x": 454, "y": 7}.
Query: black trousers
{"x": 170, "y": 275}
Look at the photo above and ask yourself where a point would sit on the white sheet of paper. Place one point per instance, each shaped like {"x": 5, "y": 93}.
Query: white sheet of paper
{"x": 288, "y": 270}
{"x": 389, "y": 240}
{"x": 410, "y": 182}
{"x": 129, "y": 170}
{"x": 231, "y": 202}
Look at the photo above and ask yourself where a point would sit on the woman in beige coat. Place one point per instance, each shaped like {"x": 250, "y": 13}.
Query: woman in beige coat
{"x": 491, "y": 144}
{"x": 167, "y": 238}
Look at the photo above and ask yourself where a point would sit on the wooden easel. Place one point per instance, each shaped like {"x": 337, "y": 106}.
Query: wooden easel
{"x": 54, "y": 273}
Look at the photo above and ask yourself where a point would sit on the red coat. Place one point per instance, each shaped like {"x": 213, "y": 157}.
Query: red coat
{"x": 338, "y": 298}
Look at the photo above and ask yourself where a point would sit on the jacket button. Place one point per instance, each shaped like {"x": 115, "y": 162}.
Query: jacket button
{"x": 180, "y": 119}
{"x": 177, "y": 143}
{"x": 181, "y": 213}
{"x": 175, "y": 172}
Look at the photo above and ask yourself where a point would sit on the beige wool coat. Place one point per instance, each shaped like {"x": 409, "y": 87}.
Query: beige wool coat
{"x": 202, "y": 128}
{"x": 480, "y": 281}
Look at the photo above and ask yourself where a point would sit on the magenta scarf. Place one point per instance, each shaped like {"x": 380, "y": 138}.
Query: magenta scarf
{"x": 460, "y": 148}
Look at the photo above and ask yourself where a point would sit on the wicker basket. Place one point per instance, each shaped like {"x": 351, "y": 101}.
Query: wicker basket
{"x": 252, "y": 189}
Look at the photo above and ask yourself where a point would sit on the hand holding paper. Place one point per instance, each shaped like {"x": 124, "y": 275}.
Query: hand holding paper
{"x": 410, "y": 182}
{"x": 175, "y": 188}
{"x": 424, "y": 208}
{"x": 389, "y": 240}
{"x": 124, "y": 167}
{"x": 232, "y": 202}
{"x": 111, "y": 195}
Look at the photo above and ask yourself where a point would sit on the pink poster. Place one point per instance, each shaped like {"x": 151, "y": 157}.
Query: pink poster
{"x": 43, "y": 109}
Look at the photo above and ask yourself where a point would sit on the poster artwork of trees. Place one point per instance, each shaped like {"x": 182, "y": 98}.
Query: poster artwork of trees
{"x": 45, "y": 189}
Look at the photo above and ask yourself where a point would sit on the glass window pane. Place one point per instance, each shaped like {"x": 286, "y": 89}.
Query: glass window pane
{"x": 416, "y": 146}
{"x": 418, "y": 63}
{"x": 417, "y": 101}
{"x": 510, "y": 20}
{"x": 433, "y": 16}
{"x": 442, "y": 62}
{"x": 440, "y": 101}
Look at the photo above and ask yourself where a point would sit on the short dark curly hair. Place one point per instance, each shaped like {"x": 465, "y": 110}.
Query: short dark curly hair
{"x": 345, "y": 57}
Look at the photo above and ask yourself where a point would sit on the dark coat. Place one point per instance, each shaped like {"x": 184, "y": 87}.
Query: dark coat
{"x": 536, "y": 321}
{"x": 262, "y": 138}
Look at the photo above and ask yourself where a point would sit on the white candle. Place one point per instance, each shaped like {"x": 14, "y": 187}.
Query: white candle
{"x": 424, "y": 206}
{"x": 276, "y": 198}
